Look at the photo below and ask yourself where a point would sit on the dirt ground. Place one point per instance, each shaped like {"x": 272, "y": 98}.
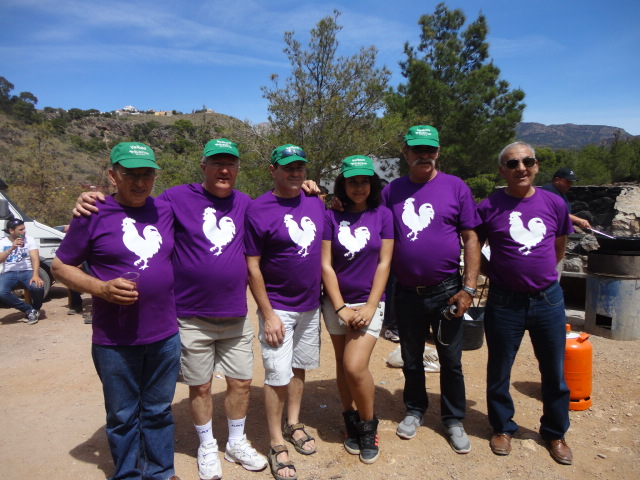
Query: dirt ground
{"x": 52, "y": 414}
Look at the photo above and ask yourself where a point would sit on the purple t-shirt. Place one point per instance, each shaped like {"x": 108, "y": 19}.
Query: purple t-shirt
{"x": 121, "y": 239}
{"x": 287, "y": 234}
{"x": 356, "y": 240}
{"x": 209, "y": 263}
{"x": 428, "y": 218}
{"x": 522, "y": 234}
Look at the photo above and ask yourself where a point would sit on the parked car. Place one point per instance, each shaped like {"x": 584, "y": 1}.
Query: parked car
{"x": 47, "y": 238}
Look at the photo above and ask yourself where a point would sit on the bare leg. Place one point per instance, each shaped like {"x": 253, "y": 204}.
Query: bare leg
{"x": 200, "y": 403}
{"x": 339, "y": 342}
{"x": 236, "y": 400}
{"x": 357, "y": 353}
{"x": 274, "y": 398}
{"x": 294, "y": 402}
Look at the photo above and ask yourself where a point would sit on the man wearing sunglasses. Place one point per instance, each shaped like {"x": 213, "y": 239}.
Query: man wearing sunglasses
{"x": 283, "y": 243}
{"x": 433, "y": 212}
{"x": 527, "y": 229}
{"x": 560, "y": 184}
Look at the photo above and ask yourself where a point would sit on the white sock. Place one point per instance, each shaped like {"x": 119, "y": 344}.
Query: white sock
{"x": 205, "y": 432}
{"x": 236, "y": 430}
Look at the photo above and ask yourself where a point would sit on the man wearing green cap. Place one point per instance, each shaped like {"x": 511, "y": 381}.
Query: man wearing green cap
{"x": 432, "y": 213}
{"x": 284, "y": 236}
{"x": 135, "y": 341}
{"x": 211, "y": 302}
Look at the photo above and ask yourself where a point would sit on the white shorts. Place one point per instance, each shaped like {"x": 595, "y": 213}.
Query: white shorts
{"x": 300, "y": 347}
{"x": 335, "y": 326}
{"x": 215, "y": 344}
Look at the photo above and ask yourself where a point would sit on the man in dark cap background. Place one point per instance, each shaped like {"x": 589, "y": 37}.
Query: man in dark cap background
{"x": 560, "y": 184}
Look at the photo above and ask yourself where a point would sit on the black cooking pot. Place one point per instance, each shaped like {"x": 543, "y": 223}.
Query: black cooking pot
{"x": 619, "y": 245}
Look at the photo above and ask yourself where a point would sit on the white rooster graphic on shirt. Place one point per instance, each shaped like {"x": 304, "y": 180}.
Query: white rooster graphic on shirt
{"x": 354, "y": 243}
{"x": 416, "y": 221}
{"x": 145, "y": 246}
{"x": 527, "y": 237}
{"x": 302, "y": 235}
{"x": 219, "y": 233}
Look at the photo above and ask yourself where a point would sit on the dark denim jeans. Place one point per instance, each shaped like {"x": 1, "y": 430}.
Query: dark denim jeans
{"x": 138, "y": 383}
{"x": 415, "y": 313}
{"x": 20, "y": 279}
{"x": 508, "y": 314}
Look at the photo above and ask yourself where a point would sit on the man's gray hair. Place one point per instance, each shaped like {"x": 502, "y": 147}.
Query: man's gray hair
{"x": 515, "y": 144}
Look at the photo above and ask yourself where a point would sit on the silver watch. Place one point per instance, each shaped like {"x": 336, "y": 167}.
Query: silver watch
{"x": 470, "y": 291}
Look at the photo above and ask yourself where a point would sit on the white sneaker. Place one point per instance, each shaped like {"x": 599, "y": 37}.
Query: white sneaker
{"x": 244, "y": 454}
{"x": 209, "y": 467}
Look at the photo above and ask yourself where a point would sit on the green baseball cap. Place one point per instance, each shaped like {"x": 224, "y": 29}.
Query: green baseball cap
{"x": 422, "y": 135}
{"x": 133, "y": 155}
{"x": 220, "y": 145}
{"x": 285, "y": 154}
{"x": 357, "y": 165}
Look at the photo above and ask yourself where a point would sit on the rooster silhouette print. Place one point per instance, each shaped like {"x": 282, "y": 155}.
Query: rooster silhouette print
{"x": 145, "y": 246}
{"x": 219, "y": 233}
{"x": 527, "y": 237}
{"x": 302, "y": 235}
{"x": 354, "y": 243}
{"x": 416, "y": 221}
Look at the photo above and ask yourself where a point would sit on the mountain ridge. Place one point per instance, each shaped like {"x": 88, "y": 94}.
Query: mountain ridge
{"x": 568, "y": 135}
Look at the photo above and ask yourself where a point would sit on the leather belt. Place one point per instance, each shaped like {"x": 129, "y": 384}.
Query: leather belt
{"x": 435, "y": 289}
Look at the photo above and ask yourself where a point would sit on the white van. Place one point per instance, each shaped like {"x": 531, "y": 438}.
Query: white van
{"x": 47, "y": 238}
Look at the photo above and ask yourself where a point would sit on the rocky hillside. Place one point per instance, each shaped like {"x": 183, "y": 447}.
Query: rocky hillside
{"x": 567, "y": 135}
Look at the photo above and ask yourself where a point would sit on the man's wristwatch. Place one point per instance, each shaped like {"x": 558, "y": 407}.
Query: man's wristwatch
{"x": 470, "y": 291}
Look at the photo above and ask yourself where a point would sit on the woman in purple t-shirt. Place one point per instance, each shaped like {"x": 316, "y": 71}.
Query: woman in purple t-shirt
{"x": 357, "y": 245}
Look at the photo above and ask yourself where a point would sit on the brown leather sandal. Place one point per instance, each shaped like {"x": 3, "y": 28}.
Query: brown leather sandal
{"x": 300, "y": 442}
{"x": 277, "y": 465}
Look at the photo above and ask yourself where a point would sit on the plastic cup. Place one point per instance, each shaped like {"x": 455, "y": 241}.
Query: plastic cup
{"x": 131, "y": 277}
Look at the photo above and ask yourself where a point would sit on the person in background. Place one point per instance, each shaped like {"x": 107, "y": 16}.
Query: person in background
{"x": 527, "y": 229}
{"x": 135, "y": 342}
{"x": 560, "y": 184}
{"x": 20, "y": 263}
{"x": 324, "y": 191}
{"x": 433, "y": 212}
{"x": 357, "y": 245}
{"x": 283, "y": 242}
{"x": 75, "y": 298}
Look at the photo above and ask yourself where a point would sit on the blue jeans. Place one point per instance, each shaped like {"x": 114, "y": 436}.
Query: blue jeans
{"x": 138, "y": 383}
{"x": 20, "y": 279}
{"x": 508, "y": 314}
{"x": 415, "y": 313}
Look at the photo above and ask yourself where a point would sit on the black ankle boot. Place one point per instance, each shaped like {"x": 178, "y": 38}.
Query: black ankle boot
{"x": 369, "y": 449}
{"x": 351, "y": 437}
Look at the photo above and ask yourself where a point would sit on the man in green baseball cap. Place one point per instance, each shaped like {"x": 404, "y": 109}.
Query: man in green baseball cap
{"x": 133, "y": 155}
{"x": 286, "y": 154}
{"x": 432, "y": 212}
{"x": 132, "y": 172}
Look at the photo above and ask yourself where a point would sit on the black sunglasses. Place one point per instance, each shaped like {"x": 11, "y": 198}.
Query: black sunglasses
{"x": 514, "y": 162}
{"x": 420, "y": 149}
{"x": 288, "y": 152}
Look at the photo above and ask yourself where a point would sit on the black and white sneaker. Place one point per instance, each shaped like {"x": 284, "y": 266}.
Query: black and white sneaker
{"x": 392, "y": 336}
{"x": 32, "y": 317}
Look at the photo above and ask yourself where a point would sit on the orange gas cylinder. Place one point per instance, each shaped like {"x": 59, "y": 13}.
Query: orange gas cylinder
{"x": 578, "y": 369}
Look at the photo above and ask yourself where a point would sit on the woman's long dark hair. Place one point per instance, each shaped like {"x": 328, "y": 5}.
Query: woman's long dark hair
{"x": 373, "y": 200}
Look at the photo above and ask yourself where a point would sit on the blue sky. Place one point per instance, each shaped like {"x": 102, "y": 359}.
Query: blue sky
{"x": 577, "y": 61}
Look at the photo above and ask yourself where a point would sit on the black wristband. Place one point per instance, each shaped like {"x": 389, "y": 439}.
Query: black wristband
{"x": 343, "y": 306}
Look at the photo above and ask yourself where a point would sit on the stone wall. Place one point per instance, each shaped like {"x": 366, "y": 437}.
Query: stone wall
{"x": 611, "y": 209}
